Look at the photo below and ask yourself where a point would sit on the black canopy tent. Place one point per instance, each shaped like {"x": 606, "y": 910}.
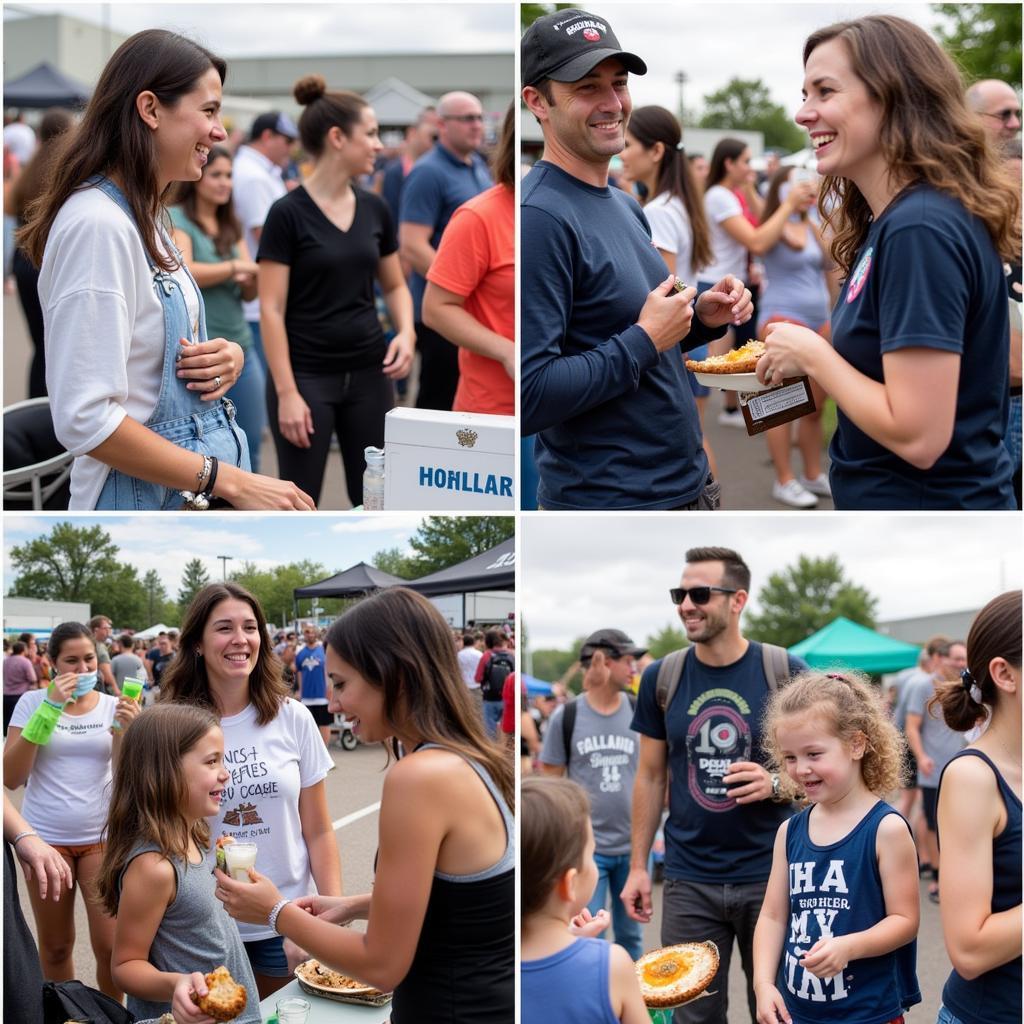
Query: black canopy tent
{"x": 494, "y": 569}
{"x": 355, "y": 581}
{"x": 45, "y": 86}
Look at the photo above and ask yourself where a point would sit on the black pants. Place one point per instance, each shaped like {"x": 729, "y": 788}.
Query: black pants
{"x": 353, "y": 405}
{"x": 27, "y": 278}
{"x": 439, "y": 370}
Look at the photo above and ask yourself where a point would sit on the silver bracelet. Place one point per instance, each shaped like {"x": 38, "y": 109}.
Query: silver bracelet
{"x": 204, "y": 474}
{"x": 272, "y": 919}
{"x": 21, "y": 835}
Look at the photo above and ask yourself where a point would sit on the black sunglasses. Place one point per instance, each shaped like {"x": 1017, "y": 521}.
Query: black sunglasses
{"x": 698, "y": 595}
{"x": 1005, "y": 115}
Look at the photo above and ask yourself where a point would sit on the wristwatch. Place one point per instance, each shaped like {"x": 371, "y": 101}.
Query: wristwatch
{"x": 775, "y": 787}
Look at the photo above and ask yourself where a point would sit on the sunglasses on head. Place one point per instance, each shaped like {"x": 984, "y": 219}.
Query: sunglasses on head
{"x": 698, "y": 595}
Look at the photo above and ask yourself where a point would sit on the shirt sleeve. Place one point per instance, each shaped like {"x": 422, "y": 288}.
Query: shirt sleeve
{"x": 648, "y": 719}
{"x": 422, "y": 197}
{"x": 464, "y": 255}
{"x": 26, "y": 707}
{"x": 253, "y": 199}
{"x": 388, "y": 232}
{"x": 481, "y": 665}
{"x": 555, "y": 387}
{"x": 923, "y": 289}
{"x": 553, "y": 749}
{"x": 314, "y": 761}
{"x": 277, "y": 239}
{"x": 720, "y": 204}
{"x": 664, "y": 228}
{"x": 918, "y": 697}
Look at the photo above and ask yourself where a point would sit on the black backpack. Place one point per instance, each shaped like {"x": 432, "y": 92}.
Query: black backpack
{"x": 72, "y": 1001}
{"x": 499, "y": 668}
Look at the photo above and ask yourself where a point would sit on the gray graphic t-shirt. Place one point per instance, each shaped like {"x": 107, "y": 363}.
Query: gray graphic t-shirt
{"x": 602, "y": 759}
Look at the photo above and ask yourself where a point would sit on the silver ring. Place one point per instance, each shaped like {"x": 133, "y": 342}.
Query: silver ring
{"x": 216, "y": 382}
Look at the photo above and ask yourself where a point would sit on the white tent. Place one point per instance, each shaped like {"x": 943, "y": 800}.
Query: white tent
{"x": 801, "y": 158}
{"x": 152, "y": 632}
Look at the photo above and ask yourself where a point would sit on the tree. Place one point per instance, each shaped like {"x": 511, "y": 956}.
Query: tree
{"x": 275, "y": 588}
{"x": 64, "y": 565}
{"x": 393, "y": 561}
{"x": 158, "y": 606}
{"x": 984, "y": 39}
{"x": 194, "y": 578}
{"x": 529, "y": 13}
{"x": 800, "y": 600}
{"x": 442, "y": 541}
{"x": 747, "y": 104}
{"x": 666, "y": 640}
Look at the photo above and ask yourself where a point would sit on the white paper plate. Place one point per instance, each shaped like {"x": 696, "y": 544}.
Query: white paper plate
{"x": 733, "y": 381}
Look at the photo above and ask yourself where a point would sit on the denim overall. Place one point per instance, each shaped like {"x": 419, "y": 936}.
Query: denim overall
{"x": 180, "y": 416}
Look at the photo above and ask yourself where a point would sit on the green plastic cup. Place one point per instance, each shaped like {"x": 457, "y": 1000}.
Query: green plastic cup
{"x": 132, "y": 688}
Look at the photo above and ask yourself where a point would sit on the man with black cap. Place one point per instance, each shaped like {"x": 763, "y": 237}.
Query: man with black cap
{"x": 603, "y": 381}
{"x": 591, "y": 741}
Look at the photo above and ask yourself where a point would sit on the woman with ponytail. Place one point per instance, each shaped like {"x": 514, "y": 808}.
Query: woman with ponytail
{"x": 979, "y": 825}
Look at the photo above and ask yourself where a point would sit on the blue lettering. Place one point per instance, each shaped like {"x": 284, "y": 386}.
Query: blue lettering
{"x": 426, "y": 476}
{"x": 492, "y": 485}
{"x": 439, "y": 477}
{"x": 464, "y": 481}
{"x": 477, "y": 489}
{"x": 506, "y": 487}
{"x": 453, "y": 480}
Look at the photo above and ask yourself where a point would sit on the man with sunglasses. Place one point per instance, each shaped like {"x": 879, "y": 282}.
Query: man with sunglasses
{"x": 591, "y": 741}
{"x": 702, "y": 736}
{"x": 999, "y": 107}
{"x": 440, "y": 182}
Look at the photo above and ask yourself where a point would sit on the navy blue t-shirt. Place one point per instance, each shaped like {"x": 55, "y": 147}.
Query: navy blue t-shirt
{"x": 617, "y": 423}
{"x": 927, "y": 276}
{"x": 714, "y": 719}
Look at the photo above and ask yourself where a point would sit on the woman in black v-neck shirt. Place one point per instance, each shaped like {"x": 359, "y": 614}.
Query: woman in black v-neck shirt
{"x": 322, "y": 249}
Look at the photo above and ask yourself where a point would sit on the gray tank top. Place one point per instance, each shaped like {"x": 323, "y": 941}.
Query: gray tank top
{"x": 196, "y": 934}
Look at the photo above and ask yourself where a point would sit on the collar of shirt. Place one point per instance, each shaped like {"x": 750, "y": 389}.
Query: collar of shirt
{"x": 248, "y": 153}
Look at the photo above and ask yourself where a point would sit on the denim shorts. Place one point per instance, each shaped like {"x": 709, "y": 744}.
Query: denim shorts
{"x": 266, "y": 956}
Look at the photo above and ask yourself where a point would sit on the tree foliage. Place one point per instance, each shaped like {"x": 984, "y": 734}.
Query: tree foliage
{"x": 193, "y": 579}
{"x": 159, "y": 608}
{"x": 984, "y": 39}
{"x": 443, "y": 541}
{"x": 667, "y": 639}
{"x": 803, "y": 598}
{"x": 747, "y": 105}
{"x": 393, "y": 561}
{"x": 274, "y": 588}
{"x": 529, "y": 13}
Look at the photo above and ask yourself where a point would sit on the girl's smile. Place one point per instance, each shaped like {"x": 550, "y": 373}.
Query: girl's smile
{"x": 205, "y": 775}
{"x": 818, "y": 761}
{"x": 360, "y": 702}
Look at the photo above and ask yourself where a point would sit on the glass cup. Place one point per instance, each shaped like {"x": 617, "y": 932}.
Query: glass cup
{"x": 292, "y": 1011}
{"x": 240, "y": 857}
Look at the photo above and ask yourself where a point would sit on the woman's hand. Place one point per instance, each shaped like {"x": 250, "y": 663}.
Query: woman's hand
{"x": 62, "y": 687}
{"x": 250, "y": 902}
{"x": 51, "y": 870}
{"x": 183, "y": 1007}
{"x": 728, "y": 302}
{"x": 244, "y": 271}
{"x": 294, "y": 419}
{"x": 252, "y": 491}
{"x": 127, "y": 711}
{"x": 398, "y": 359}
{"x": 788, "y": 348}
{"x": 590, "y": 926}
{"x": 211, "y": 367}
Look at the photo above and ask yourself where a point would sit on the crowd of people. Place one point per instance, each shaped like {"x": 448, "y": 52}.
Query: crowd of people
{"x": 286, "y": 278}
{"x": 229, "y": 749}
{"x": 854, "y": 275}
{"x": 773, "y": 783}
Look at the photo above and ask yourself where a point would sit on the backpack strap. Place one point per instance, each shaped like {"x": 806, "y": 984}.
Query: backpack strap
{"x": 669, "y": 673}
{"x": 568, "y": 724}
{"x": 775, "y": 660}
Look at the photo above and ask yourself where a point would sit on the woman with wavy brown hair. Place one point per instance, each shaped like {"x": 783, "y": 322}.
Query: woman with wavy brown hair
{"x": 923, "y": 217}
{"x": 441, "y": 917}
{"x": 276, "y": 796}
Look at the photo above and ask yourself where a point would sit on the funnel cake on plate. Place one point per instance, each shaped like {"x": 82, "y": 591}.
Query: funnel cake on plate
{"x": 675, "y": 974}
{"x": 739, "y": 360}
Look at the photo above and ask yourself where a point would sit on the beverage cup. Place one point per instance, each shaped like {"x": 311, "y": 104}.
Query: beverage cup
{"x": 292, "y": 1011}
{"x": 240, "y": 857}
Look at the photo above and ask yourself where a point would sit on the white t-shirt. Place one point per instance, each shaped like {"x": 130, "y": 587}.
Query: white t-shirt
{"x": 68, "y": 789}
{"x": 671, "y": 231}
{"x": 468, "y": 659}
{"x": 269, "y": 766}
{"x": 256, "y": 184}
{"x": 104, "y": 330}
{"x": 20, "y": 139}
{"x": 730, "y": 256}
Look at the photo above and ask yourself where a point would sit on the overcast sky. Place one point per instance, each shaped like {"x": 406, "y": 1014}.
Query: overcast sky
{"x": 580, "y": 573}
{"x": 266, "y": 29}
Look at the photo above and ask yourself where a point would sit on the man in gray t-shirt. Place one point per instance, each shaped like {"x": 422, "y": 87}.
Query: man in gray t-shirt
{"x": 124, "y": 664}
{"x": 602, "y": 757}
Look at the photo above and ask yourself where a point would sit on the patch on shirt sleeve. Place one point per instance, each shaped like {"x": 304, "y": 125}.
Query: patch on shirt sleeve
{"x": 860, "y": 276}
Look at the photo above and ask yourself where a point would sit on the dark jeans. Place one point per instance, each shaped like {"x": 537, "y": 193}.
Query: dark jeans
{"x": 695, "y": 911}
{"x": 439, "y": 370}
{"x": 353, "y": 405}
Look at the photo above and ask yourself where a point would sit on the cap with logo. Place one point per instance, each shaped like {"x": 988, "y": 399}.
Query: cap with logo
{"x": 610, "y": 640}
{"x": 276, "y": 122}
{"x": 569, "y": 44}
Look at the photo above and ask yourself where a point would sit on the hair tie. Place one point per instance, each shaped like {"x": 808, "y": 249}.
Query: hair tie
{"x": 969, "y": 684}
{"x": 681, "y": 147}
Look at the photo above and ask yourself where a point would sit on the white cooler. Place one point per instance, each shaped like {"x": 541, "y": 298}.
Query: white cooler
{"x": 449, "y": 460}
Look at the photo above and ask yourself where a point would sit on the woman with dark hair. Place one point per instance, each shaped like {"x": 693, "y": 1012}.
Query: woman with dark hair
{"x": 213, "y": 247}
{"x": 135, "y": 387}
{"x": 322, "y": 249}
{"x": 923, "y": 216}
{"x": 29, "y": 185}
{"x": 979, "y": 825}
{"x": 441, "y": 917}
{"x": 470, "y": 294}
{"x": 276, "y": 796}
{"x": 61, "y": 745}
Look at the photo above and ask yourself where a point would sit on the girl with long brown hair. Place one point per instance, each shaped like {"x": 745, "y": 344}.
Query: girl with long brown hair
{"x": 923, "y": 217}
{"x": 441, "y": 917}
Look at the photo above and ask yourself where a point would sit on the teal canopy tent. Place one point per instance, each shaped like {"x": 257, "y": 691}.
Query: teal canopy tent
{"x": 846, "y": 644}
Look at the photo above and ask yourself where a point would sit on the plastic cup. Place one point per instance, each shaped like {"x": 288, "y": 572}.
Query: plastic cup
{"x": 292, "y": 1011}
{"x": 240, "y": 857}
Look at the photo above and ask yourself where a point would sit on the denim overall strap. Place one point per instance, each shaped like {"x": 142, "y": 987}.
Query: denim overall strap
{"x": 179, "y": 415}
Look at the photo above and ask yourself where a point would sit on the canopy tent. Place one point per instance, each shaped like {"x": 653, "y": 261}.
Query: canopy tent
{"x": 536, "y": 687}
{"x": 152, "y": 633}
{"x": 45, "y": 86}
{"x": 846, "y": 644}
{"x": 493, "y": 570}
{"x": 356, "y": 581}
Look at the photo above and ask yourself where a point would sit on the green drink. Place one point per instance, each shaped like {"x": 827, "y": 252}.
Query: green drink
{"x": 132, "y": 689}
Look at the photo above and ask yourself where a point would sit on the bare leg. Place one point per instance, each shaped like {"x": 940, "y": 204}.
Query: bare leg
{"x": 101, "y": 924}
{"x": 55, "y": 928}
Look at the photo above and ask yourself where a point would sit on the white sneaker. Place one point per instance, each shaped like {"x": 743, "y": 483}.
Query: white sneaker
{"x": 819, "y": 485}
{"x": 731, "y": 418}
{"x": 793, "y": 494}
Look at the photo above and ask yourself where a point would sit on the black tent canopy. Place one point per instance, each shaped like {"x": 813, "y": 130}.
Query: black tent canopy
{"x": 494, "y": 569}
{"x": 45, "y": 86}
{"x": 355, "y": 581}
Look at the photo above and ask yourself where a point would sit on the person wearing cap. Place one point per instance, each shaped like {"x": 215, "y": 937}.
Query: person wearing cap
{"x": 257, "y": 184}
{"x": 705, "y": 744}
{"x": 603, "y": 381}
{"x": 601, "y": 756}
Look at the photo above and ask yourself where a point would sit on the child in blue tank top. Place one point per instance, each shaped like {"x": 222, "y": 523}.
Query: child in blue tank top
{"x": 566, "y": 975}
{"x": 835, "y": 940}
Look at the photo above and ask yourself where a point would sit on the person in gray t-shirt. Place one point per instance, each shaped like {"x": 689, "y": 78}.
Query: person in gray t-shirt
{"x": 602, "y": 757}
{"x": 125, "y": 664}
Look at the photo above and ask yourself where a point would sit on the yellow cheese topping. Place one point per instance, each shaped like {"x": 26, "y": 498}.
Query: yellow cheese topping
{"x": 667, "y": 970}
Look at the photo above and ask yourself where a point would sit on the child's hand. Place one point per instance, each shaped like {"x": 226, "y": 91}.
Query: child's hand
{"x": 590, "y": 926}
{"x": 770, "y": 1005}
{"x": 250, "y": 901}
{"x": 827, "y": 957}
{"x": 183, "y": 1008}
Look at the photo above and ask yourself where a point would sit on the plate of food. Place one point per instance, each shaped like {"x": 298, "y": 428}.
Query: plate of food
{"x": 732, "y": 371}
{"x": 674, "y": 975}
{"x": 317, "y": 980}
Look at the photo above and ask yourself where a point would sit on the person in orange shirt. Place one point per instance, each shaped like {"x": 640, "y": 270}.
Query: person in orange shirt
{"x": 470, "y": 296}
